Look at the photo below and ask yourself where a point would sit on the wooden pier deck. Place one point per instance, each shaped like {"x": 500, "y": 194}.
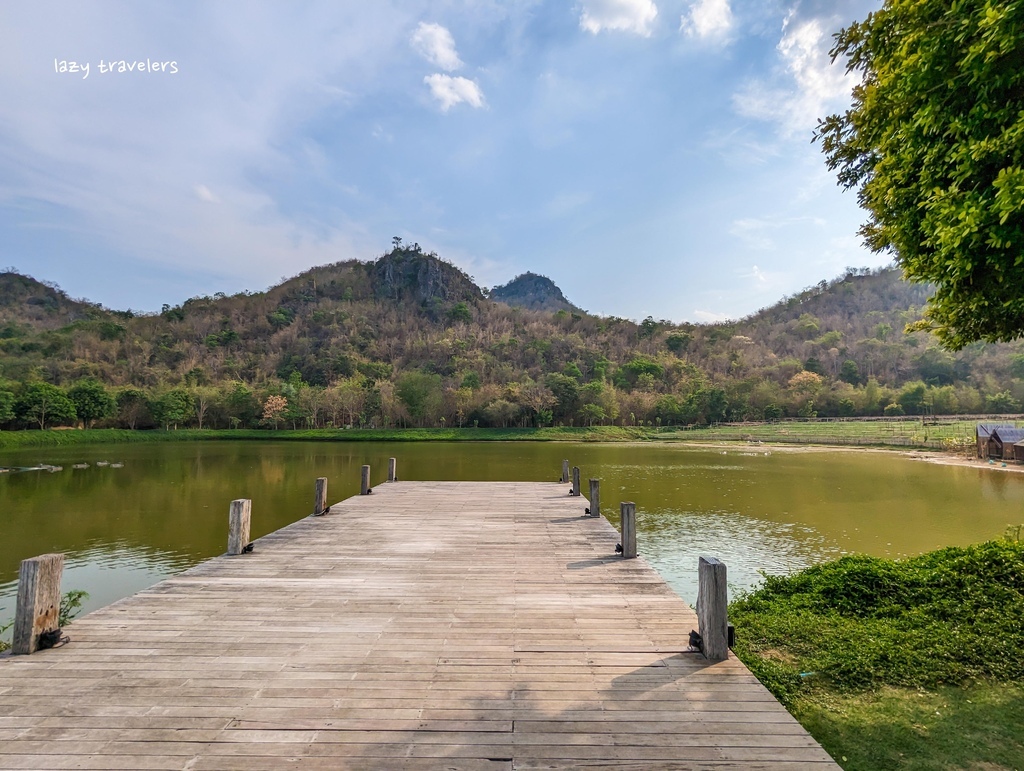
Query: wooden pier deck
{"x": 430, "y": 625}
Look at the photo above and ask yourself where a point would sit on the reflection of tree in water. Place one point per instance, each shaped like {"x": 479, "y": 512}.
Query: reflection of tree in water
{"x": 672, "y": 541}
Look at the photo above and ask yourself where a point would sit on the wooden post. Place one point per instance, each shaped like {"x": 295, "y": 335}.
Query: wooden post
{"x": 38, "y": 604}
{"x": 628, "y": 512}
{"x": 364, "y": 485}
{"x": 320, "y": 499}
{"x": 392, "y": 469}
{"x": 595, "y": 497}
{"x": 712, "y": 602}
{"x": 565, "y": 471}
{"x": 575, "y": 480}
{"x": 238, "y": 525}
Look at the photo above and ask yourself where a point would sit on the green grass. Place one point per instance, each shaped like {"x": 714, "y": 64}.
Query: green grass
{"x": 973, "y": 727}
{"x": 937, "y": 435}
{"x": 915, "y": 663}
{"x": 945, "y": 435}
{"x": 17, "y": 439}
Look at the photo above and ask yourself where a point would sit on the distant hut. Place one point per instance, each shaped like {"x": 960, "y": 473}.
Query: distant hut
{"x": 982, "y": 434}
{"x": 1018, "y": 452}
{"x": 1002, "y": 440}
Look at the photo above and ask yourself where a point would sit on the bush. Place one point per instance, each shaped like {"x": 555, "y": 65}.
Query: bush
{"x": 947, "y": 617}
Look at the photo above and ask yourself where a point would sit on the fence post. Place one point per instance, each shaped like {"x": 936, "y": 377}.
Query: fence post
{"x": 392, "y": 469}
{"x": 627, "y": 510}
{"x": 712, "y": 604}
{"x": 364, "y": 484}
{"x": 595, "y": 497}
{"x": 238, "y": 525}
{"x": 565, "y": 471}
{"x": 320, "y": 506}
{"x": 575, "y": 481}
{"x": 38, "y": 605}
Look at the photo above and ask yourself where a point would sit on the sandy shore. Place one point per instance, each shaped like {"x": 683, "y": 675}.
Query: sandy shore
{"x": 927, "y": 456}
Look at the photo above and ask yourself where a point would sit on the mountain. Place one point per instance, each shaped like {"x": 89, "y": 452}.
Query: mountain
{"x": 410, "y": 339}
{"x": 534, "y": 292}
{"x": 26, "y": 302}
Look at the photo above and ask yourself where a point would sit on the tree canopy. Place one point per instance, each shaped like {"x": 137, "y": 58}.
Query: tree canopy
{"x": 934, "y": 144}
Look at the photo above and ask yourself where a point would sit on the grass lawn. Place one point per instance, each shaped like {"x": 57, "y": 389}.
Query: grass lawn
{"x": 977, "y": 727}
{"x": 902, "y": 664}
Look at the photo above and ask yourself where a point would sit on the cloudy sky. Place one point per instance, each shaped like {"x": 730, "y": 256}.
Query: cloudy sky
{"x": 653, "y": 157}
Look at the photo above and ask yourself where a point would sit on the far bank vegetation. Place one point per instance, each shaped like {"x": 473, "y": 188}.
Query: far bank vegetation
{"x": 411, "y": 341}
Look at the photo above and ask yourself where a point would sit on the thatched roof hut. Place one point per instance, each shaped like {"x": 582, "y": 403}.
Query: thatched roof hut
{"x": 1002, "y": 440}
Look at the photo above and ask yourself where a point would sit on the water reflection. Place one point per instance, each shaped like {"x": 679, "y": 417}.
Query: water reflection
{"x": 165, "y": 508}
{"x": 673, "y": 540}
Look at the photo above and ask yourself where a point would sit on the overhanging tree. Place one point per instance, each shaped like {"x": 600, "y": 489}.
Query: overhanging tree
{"x": 934, "y": 145}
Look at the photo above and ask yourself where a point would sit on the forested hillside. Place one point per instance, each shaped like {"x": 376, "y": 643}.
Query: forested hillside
{"x": 411, "y": 340}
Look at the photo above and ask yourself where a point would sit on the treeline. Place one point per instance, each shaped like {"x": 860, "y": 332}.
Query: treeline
{"x": 409, "y": 340}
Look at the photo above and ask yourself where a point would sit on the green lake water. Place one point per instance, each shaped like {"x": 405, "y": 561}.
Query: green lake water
{"x": 757, "y": 509}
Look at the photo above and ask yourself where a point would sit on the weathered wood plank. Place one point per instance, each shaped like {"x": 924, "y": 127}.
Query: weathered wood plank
{"x": 454, "y": 625}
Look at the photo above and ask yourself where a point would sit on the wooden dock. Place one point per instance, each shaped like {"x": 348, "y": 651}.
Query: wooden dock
{"x": 429, "y": 625}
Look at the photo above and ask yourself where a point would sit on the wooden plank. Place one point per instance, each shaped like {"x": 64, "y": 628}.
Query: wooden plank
{"x": 455, "y": 625}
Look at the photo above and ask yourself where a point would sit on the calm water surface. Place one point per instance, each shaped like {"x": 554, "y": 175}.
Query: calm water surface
{"x": 123, "y": 529}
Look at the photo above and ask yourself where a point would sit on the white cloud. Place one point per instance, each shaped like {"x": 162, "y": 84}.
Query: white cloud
{"x": 450, "y": 91}
{"x": 205, "y": 194}
{"x": 625, "y": 15}
{"x": 708, "y": 19}
{"x": 815, "y": 85}
{"x": 436, "y": 44}
{"x": 710, "y": 317}
{"x": 755, "y": 273}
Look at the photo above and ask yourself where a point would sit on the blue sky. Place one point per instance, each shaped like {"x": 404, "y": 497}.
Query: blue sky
{"x": 651, "y": 157}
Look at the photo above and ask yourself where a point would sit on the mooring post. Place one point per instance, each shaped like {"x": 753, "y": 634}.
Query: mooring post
{"x": 320, "y": 506}
{"x": 712, "y": 604}
{"x": 38, "y": 605}
{"x": 575, "y": 480}
{"x": 595, "y": 497}
{"x": 565, "y": 471}
{"x": 364, "y": 485}
{"x": 392, "y": 469}
{"x": 627, "y": 510}
{"x": 238, "y": 525}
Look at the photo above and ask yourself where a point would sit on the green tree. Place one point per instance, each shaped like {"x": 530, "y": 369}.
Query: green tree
{"x": 421, "y": 394}
{"x": 592, "y": 413}
{"x": 1002, "y": 403}
{"x": 567, "y": 395}
{"x": 850, "y": 372}
{"x": 45, "y": 404}
{"x": 172, "y": 407}
{"x": 912, "y": 398}
{"x": 6, "y": 406}
{"x": 678, "y": 342}
{"x": 460, "y": 313}
{"x": 934, "y": 145}
{"x": 501, "y": 412}
{"x": 242, "y": 406}
{"x": 92, "y": 401}
{"x": 132, "y": 407}
{"x": 1017, "y": 365}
